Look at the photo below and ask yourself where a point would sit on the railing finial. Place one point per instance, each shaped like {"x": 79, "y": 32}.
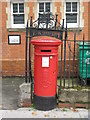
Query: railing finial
{"x": 27, "y": 23}
{"x": 56, "y": 21}
{"x": 63, "y": 24}
{"x": 83, "y": 36}
{"x": 31, "y": 22}
{"x": 66, "y": 31}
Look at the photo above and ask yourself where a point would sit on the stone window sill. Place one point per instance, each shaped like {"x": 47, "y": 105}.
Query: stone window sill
{"x": 16, "y": 29}
{"x": 79, "y": 29}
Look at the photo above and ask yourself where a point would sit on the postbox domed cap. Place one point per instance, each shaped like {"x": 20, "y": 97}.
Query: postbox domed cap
{"x": 44, "y": 40}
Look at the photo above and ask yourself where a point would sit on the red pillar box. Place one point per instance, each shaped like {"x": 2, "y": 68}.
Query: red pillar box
{"x": 45, "y": 71}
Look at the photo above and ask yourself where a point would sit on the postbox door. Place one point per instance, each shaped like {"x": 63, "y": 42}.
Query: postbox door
{"x": 45, "y": 75}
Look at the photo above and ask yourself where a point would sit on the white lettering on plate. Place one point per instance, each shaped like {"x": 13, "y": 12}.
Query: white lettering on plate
{"x": 14, "y": 39}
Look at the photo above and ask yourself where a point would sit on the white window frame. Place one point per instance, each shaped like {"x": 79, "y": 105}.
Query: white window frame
{"x": 12, "y": 21}
{"x": 72, "y": 25}
{"x": 44, "y": 6}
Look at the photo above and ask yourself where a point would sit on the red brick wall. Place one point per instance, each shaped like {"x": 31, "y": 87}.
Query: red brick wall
{"x": 13, "y": 56}
{"x": 0, "y": 39}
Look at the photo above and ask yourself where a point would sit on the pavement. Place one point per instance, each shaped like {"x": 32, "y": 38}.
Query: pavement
{"x": 10, "y": 86}
{"x": 11, "y": 110}
{"x": 55, "y": 113}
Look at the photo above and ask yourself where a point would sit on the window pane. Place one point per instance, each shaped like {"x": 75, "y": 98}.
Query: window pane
{"x": 21, "y": 7}
{"x": 41, "y": 7}
{"x": 74, "y": 6}
{"x": 43, "y": 17}
{"x": 47, "y": 7}
{"x": 18, "y": 19}
{"x": 68, "y": 6}
{"x": 71, "y": 18}
{"x": 15, "y": 7}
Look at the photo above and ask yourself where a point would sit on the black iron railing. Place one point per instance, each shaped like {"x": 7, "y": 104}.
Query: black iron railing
{"x": 47, "y": 25}
{"x": 72, "y": 65}
{"x": 75, "y": 65}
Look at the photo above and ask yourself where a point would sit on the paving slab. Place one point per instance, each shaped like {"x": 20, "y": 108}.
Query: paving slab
{"x": 83, "y": 113}
{"x": 10, "y": 86}
{"x": 55, "y": 113}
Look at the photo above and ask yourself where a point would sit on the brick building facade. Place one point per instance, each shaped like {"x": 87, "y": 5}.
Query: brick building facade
{"x": 14, "y": 18}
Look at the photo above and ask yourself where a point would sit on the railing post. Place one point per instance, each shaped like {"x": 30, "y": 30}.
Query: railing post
{"x": 74, "y": 58}
{"x": 69, "y": 64}
{"x": 65, "y": 53}
{"x": 38, "y": 20}
{"x": 31, "y": 22}
{"x": 61, "y": 37}
{"x": 26, "y": 53}
{"x": 63, "y": 24}
{"x": 86, "y": 72}
{"x": 61, "y": 33}
{"x": 56, "y": 21}
{"x": 82, "y": 61}
{"x": 78, "y": 55}
{"x": 47, "y": 22}
{"x": 30, "y": 74}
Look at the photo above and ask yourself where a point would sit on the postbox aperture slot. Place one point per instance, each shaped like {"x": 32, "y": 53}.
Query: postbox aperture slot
{"x": 45, "y": 50}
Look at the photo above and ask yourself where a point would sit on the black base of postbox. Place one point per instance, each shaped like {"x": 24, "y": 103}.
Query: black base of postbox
{"x": 45, "y": 103}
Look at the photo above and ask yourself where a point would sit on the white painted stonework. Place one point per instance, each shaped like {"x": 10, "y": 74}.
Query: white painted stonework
{"x": 8, "y": 12}
{"x": 54, "y": 11}
{"x": 62, "y": 10}
{"x": 81, "y": 11}
{"x": 81, "y": 14}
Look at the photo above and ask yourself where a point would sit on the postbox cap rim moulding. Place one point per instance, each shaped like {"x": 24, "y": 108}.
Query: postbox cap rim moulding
{"x": 44, "y": 40}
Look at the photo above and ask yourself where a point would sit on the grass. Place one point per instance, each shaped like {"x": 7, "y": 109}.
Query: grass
{"x": 32, "y": 106}
{"x": 64, "y": 110}
{"x": 70, "y": 84}
{"x": 70, "y": 87}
